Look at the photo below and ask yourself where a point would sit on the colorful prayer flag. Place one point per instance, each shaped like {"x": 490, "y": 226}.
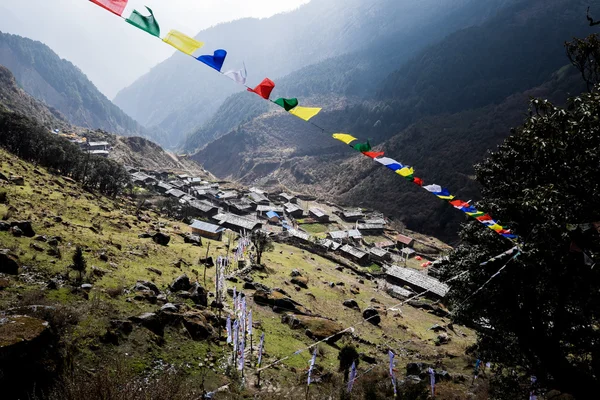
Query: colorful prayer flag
{"x": 250, "y": 322}
{"x": 216, "y": 60}
{"x": 145, "y": 23}
{"x": 406, "y": 172}
{"x": 433, "y": 188}
{"x": 418, "y": 181}
{"x": 392, "y": 355}
{"x": 264, "y": 88}
{"x": 305, "y": 113}
{"x": 114, "y": 6}
{"x": 241, "y": 355}
{"x": 390, "y": 163}
{"x": 344, "y": 137}
{"x": 260, "y": 349}
{"x": 373, "y": 154}
{"x": 287, "y": 104}
{"x": 362, "y": 147}
{"x": 432, "y": 381}
{"x": 228, "y": 328}
{"x": 238, "y": 76}
{"x": 182, "y": 42}
{"x": 352, "y": 377}
{"x": 312, "y": 365}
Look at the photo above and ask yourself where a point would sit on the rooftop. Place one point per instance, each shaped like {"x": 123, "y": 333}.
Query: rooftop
{"x": 418, "y": 279}
{"x": 262, "y": 208}
{"x": 257, "y": 197}
{"x": 378, "y": 252}
{"x": 245, "y": 223}
{"x": 353, "y": 251}
{"x": 272, "y": 214}
{"x": 206, "y": 227}
{"x": 404, "y": 239}
{"x": 317, "y": 212}
{"x": 370, "y": 227}
{"x": 291, "y": 207}
{"x": 176, "y": 193}
{"x": 299, "y": 234}
{"x": 202, "y": 205}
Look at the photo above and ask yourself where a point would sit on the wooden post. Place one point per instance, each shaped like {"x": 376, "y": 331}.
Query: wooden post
{"x": 207, "y": 249}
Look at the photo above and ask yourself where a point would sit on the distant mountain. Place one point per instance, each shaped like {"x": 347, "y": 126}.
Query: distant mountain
{"x": 134, "y": 151}
{"x": 471, "y": 87}
{"x": 62, "y": 86}
{"x": 179, "y": 96}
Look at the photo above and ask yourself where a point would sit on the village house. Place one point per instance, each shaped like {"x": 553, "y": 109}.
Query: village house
{"x": 352, "y": 215}
{"x": 162, "y": 187}
{"x": 286, "y": 198}
{"x": 206, "y": 230}
{"x": 371, "y": 229}
{"x": 329, "y": 244}
{"x": 197, "y": 181}
{"x": 98, "y": 148}
{"x": 140, "y": 178}
{"x": 239, "y": 206}
{"x": 407, "y": 252}
{"x": 202, "y": 208}
{"x": 186, "y": 199}
{"x": 178, "y": 194}
{"x": 352, "y": 235}
{"x": 385, "y": 244}
{"x": 404, "y": 241}
{"x": 294, "y": 210}
{"x": 318, "y": 214}
{"x": 354, "y": 254}
{"x": 273, "y": 217}
{"x": 417, "y": 281}
{"x": 379, "y": 255}
{"x": 299, "y": 236}
{"x": 258, "y": 199}
{"x": 177, "y": 184}
{"x": 374, "y": 221}
{"x": 262, "y": 211}
{"x": 236, "y": 223}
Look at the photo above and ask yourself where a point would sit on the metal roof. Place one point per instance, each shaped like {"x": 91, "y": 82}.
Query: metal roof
{"x": 272, "y": 214}
{"x": 353, "y": 251}
{"x": 404, "y": 239}
{"x": 317, "y": 212}
{"x": 418, "y": 279}
{"x": 176, "y": 193}
{"x": 277, "y": 209}
{"x": 206, "y": 227}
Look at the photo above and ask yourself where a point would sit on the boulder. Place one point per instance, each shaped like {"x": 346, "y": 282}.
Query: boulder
{"x": 279, "y": 302}
{"x": 192, "y": 239}
{"x": 17, "y": 180}
{"x": 147, "y": 285}
{"x": 351, "y": 304}
{"x": 197, "y": 326}
{"x": 442, "y": 338}
{"x": 25, "y": 226}
{"x": 181, "y": 283}
{"x": 9, "y": 263}
{"x": 40, "y": 238}
{"x": 4, "y": 226}
{"x": 150, "y": 321}
{"x": 21, "y": 335}
{"x": 372, "y": 315}
{"x": 416, "y": 368}
{"x": 169, "y": 307}
{"x": 154, "y": 270}
{"x": 315, "y": 327}
{"x": 161, "y": 238}
{"x": 198, "y": 294}
{"x": 16, "y": 231}
{"x": 144, "y": 235}
{"x": 145, "y": 295}
{"x": 295, "y": 273}
{"x": 250, "y": 285}
{"x": 36, "y": 247}
{"x": 300, "y": 281}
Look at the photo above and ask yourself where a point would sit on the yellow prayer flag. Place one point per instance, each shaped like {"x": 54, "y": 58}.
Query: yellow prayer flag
{"x": 344, "y": 137}
{"x": 496, "y": 227}
{"x": 182, "y": 42}
{"x": 446, "y": 197}
{"x": 305, "y": 113}
{"x": 406, "y": 171}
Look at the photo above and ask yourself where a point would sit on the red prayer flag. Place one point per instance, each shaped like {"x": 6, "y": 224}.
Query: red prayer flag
{"x": 485, "y": 217}
{"x": 373, "y": 154}
{"x": 114, "y": 6}
{"x": 264, "y": 89}
{"x": 418, "y": 181}
{"x": 459, "y": 203}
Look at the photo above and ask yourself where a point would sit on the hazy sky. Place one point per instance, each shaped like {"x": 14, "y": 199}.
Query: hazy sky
{"x": 111, "y": 52}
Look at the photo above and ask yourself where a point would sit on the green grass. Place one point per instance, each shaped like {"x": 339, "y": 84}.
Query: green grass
{"x": 314, "y": 228}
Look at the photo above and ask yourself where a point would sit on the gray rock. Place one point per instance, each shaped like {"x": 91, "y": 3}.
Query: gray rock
{"x": 86, "y": 287}
{"x": 149, "y": 286}
{"x": 16, "y": 231}
{"x": 372, "y": 316}
{"x": 25, "y": 226}
{"x": 17, "y": 180}
{"x": 181, "y": 283}
{"x": 161, "y": 238}
{"x": 169, "y": 307}
{"x": 9, "y": 263}
{"x": 198, "y": 294}
{"x": 413, "y": 379}
{"x": 351, "y": 304}
{"x": 150, "y": 321}
{"x": 4, "y": 226}
{"x": 295, "y": 273}
{"x": 40, "y": 238}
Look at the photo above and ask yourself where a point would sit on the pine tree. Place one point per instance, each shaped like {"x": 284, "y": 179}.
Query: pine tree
{"x": 79, "y": 263}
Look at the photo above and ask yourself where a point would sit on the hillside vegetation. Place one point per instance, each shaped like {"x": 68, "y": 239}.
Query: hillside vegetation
{"x": 108, "y": 231}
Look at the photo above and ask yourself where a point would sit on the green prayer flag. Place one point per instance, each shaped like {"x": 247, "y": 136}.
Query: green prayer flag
{"x": 145, "y": 23}
{"x": 362, "y": 147}
{"x": 288, "y": 104}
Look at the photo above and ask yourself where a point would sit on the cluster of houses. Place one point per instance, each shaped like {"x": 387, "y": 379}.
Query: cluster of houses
{"x": 100, "y": 148}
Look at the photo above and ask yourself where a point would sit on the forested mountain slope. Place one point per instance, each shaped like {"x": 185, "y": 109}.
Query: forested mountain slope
{"x": 62, "y": 86}
{"x": 178, "y": 96}
{"x": 440, "y": 128}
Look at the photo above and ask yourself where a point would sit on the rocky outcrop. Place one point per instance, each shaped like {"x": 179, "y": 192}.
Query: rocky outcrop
{"x": 161, "y": 238}
{"x": 9, "y": 262}
{"x": 279, "y": 302}
{"x": 21, "y": 335}
{"x": 181, "y": 283}
{"x": 25, "y": 227}
{"x": 316, "y": 328}
{"x": 351, "y": 304}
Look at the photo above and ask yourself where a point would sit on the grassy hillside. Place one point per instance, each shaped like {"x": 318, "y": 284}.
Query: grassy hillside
{"x": 108, "y": 232}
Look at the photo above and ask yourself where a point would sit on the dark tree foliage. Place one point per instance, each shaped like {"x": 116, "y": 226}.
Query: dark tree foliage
{"x": 32, "y": 142}
{"x": 540, "y": 314}
{"x": 262, "y": 243}
{"x": 79, "y": 263}
{"x": 347, "y": 356}
{"x": 584, "y": 54}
